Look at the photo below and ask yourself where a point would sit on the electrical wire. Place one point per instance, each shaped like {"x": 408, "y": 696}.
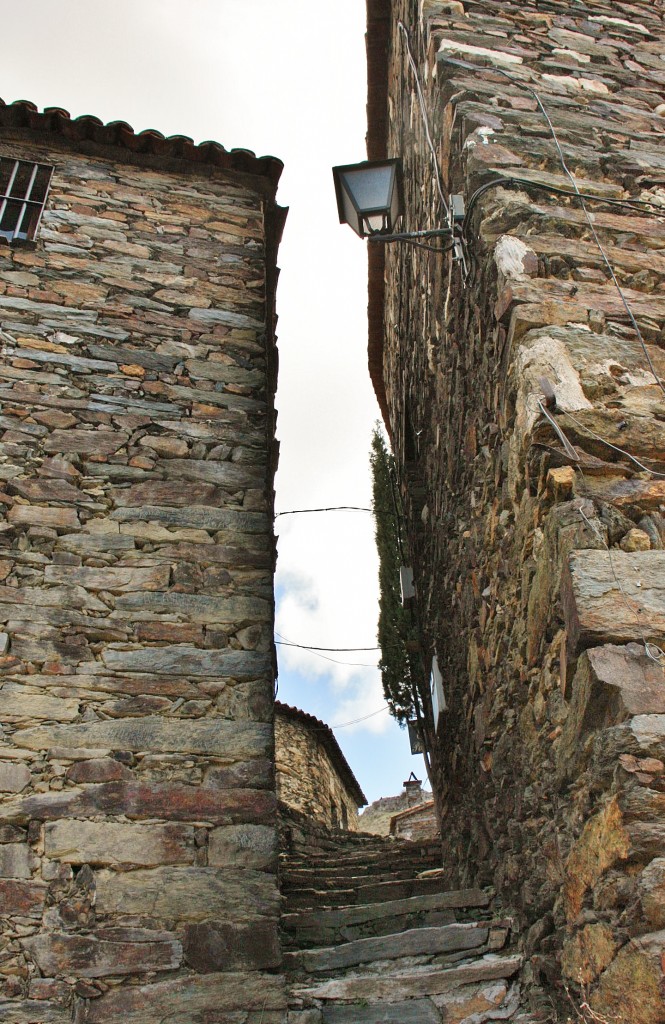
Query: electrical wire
{"x": 423, "y": 112}
{"x": 614, "y": 447}
{"x": 410, "y": 241}
{"x": 283, "y": 642}
{"x": 364, "y": 718}
{"x": 523, "y": 85}
{"x": 332, "y": 650}
{"x": 555, "y": 190}
{"x": 332, "y": 508}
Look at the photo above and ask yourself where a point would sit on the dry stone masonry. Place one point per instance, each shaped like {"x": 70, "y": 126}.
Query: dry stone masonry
{"x": 528, "y": 423}
{"x": 312, "y": 775}
{"x": 137, "y": 375}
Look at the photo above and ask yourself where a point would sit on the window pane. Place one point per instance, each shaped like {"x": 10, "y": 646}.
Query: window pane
{"x": 22, "y": 180}
{"x": 9, "y": 218}
{"x": 6, "y": 169}
{"x": 40, "y": 187}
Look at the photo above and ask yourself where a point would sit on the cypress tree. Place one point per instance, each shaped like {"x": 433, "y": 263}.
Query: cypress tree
{"x": 395, "y": 629}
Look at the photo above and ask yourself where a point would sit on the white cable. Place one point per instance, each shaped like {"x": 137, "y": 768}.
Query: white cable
{"x": 423, "y": 111}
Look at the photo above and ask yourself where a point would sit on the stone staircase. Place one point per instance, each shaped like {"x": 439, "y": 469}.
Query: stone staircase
{"x": 371, "y": 934}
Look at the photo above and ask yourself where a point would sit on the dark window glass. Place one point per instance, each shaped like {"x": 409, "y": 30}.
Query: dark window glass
{"x": 23, "y": 191}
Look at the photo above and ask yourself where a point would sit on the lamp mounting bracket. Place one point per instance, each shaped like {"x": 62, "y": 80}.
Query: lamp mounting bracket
{"x": 456, "y": 212}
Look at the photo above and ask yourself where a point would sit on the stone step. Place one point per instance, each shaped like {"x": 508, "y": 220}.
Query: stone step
{"x": 413, "y": 942}
{"x": 405, "y": 985}
{"x": 375, "y": 892}
{"x": 392, "y": 915}
{"x": 386, "y": 848}
{"x": 470, "y": 1003}
{"x": 295, "y": 880}
{"x": 425, "y": 859}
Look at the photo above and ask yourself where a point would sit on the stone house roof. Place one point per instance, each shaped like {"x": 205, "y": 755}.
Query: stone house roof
{"x": 327, "y": 740}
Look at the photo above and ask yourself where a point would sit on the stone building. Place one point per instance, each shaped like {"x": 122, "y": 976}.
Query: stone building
{"x": 137, "y": 844}
{"x": 525, "y": 405}
{"x": 312, "y": 774}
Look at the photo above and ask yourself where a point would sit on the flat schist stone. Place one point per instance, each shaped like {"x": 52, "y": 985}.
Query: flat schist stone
{"x": 206, "y": 517}
{"x": 597, "y": 610}
{"x": 413, "y": 942}
{"x": 183, "y": 660}
{"x": 184, "y": 997}
{"x": 120, "y": 845}
{"x": 233, "y": 741}
{"x": 187, "y": 997}
{"x": 188, "y": 894}
{"x": 138, "y": 799}
{"x": 415, "y": 1011}
{"x": 28, "y": 1011}
{"x": 198, "y": 607}
{"x": 96, "y": 956}
{"x": 393, "y": 988}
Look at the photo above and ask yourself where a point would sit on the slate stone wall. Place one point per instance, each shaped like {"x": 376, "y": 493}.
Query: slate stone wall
{"x": 307, "y": 778}
{"x": 537, "y": 546}
{"x": 137, "y": 844}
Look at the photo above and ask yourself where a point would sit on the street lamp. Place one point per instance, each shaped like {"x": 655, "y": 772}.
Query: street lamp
{"x": 369, "y": 196}
{"x": 369, "y": 200}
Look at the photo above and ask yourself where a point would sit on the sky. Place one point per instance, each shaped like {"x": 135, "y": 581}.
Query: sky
{"x": 284, "y": 78}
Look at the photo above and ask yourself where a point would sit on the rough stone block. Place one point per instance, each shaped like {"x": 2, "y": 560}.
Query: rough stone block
{"x": 216, "y": 737}
{"x": 188, "y": 895}
{"x": 188, "y": 998}
{"x": 250, "y": 846}
{"x": 612, "y": 683}
{"x": 113, "y": 843}
{"x": 13, "y": 777}
{"x": 27, "y": 1011}
{"x": 137, "y": 799}
{"x": 651, "y": 893}
{"x": 38, "y": 515}
{"x": 189, "y": 661}
{"x": 598, "y": 611}
{"x": 15, "y": 861}
{"x": 24, "y": 899}
{"x": 228, "y": 946}
{"x": 113, "y": 951}
{"x": 115, "y": 580}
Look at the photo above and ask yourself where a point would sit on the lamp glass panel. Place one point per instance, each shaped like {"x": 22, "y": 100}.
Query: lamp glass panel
{"x": 350, "y": 213}
{"x": 371, "y": 188}
{"x": 375, "y": 222}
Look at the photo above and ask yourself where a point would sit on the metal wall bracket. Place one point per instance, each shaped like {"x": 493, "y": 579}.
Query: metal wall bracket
{"x": 457, "y": 211}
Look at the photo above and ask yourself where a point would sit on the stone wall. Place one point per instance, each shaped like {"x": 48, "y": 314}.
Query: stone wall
{"x": 137, "y": 844}
{"x": 537, "y": 546}
{"x": 417, "y": 824}
{"x": 313, "y": 776}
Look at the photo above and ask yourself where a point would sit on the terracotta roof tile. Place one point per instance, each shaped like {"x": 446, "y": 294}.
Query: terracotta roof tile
{"x": 87, "y": 128}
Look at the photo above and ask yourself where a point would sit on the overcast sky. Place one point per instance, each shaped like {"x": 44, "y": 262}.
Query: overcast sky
{"x": 285, "y": 78}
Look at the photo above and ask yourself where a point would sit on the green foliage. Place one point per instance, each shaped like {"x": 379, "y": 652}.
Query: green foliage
{"x": 395, "y": 625}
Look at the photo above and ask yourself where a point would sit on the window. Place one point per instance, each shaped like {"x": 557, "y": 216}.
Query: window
{"x": 23, "y": 190}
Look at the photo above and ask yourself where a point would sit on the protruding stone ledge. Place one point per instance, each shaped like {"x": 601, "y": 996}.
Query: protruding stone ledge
{"x": 613, "y": 595}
